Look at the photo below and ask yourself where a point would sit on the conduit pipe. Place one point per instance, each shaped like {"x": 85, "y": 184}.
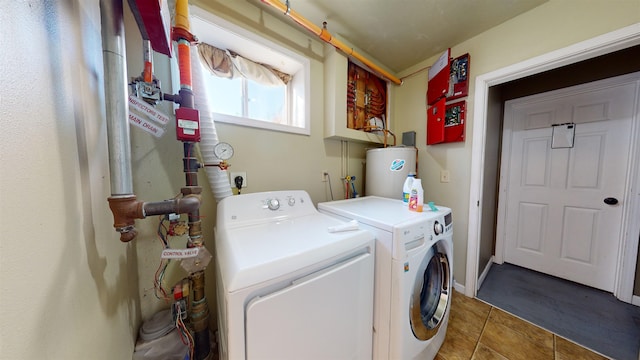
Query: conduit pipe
{"x": 115, "y": 88}
{"x": 324, "y": 34}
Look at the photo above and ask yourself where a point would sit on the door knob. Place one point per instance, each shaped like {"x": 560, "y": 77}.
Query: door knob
{"x": 610, "y": 201}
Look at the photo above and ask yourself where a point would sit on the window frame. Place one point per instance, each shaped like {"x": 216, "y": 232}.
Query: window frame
{"x": 247, "y": 43}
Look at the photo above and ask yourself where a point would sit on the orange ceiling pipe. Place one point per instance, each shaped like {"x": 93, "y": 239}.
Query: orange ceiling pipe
{"x": 323, "y": 34}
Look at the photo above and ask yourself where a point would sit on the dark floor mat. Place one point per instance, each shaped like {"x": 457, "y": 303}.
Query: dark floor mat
{"x": 590, "y": 317}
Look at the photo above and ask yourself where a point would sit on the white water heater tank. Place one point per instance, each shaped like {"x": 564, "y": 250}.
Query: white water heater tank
{"x": 387, "y": 169}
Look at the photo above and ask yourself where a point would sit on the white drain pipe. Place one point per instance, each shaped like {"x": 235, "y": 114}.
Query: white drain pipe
{"x": 218, "y": 179}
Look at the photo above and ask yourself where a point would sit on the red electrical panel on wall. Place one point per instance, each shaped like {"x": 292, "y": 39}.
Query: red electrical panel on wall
{"x": 445, "y": 122}
{"x": 439, "y": 78}
{"x": 454, "y": 118}
{"x": 459, "y": 77}
{"x": 448, "y": 80}
{"x": 435, "y": 122}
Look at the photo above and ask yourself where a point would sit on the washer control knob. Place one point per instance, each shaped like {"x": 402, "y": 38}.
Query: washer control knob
{"x": 291, "y": 201}
{"x": 273, "y": 204}
{"x": 438, "y": 228}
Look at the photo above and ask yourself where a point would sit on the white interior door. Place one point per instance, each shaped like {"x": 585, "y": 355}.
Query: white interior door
{"x": 556, "y": 220}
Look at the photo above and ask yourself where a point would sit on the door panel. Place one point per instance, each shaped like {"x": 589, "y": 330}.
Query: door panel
{"x": 531, "y": 227}
{"x": 578, "y": 234}
{"x": 585, "y": 168}
{"x": 555, "y": 220}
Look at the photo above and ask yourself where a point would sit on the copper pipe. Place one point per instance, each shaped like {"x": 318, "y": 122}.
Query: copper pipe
{"x": 386, "y": 132}
{"x": 324, "y": 35}
{"x": 125, "y": 210}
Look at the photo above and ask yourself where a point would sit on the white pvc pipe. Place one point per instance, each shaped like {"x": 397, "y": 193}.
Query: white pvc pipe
{"x": 218, "y": 179}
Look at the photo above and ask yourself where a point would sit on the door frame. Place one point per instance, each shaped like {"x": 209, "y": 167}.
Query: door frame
{"x": 601, "y": 45}
{"x": 505, "y": 169}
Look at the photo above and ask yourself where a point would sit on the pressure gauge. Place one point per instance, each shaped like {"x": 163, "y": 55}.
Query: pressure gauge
{"x": 223, "y": 151}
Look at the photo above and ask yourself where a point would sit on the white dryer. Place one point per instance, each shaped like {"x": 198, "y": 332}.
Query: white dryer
{"x": 288, "y": 285}
{"x": 414, "y": 260}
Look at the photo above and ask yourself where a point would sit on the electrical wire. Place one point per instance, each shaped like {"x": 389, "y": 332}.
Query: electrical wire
{"x": 158, "y": 289}
{"x": 161, "y": 235}
{"x": 184, "y": 331}
{"x": 330, "y": 189}
{"x": 415, "y": 72}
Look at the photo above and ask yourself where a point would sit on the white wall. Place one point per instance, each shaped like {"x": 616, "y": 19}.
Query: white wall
{"x": 553, "y": 25}
{"x": 68, "y": 285}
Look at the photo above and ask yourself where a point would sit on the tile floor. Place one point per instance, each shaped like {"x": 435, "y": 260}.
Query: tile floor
{"x": 480, "y": 331}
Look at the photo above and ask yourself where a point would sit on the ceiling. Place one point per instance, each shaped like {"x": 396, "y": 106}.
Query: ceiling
{"x": 399, "y": 34}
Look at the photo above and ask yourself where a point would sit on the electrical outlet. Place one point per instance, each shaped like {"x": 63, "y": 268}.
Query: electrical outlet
{"x": 325, "y": 175}
{"x": 233, "y": 175}
{"x": 444, "y": 176}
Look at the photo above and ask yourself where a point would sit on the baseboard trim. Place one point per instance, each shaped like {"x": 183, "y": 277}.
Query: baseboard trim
{"x": 458, "y": 287}
{"x": 635, "y": 300}
{"x": 485, "y": 272}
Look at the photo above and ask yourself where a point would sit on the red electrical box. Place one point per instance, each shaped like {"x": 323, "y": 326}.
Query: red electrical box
{"x": 445, "y": 122}
{"x": 438, "y": 83}
{"x": 435, "y": 122}
{"x": 188, "y": 124}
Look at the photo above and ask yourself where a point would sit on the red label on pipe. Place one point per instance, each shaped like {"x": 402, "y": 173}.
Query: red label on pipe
{"x": 184, "y": 63}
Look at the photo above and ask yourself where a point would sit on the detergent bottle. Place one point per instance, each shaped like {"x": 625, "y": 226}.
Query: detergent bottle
{"x": 406, "y": 188}
{"x": 416, "y": 198}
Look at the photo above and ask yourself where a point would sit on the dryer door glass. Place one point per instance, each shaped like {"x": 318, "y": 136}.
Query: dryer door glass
{"x": 430, "y": 297}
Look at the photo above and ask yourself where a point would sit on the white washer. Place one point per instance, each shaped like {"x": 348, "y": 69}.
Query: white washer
{"x": 287, "y": 287}
{"x": 414, "y": 258}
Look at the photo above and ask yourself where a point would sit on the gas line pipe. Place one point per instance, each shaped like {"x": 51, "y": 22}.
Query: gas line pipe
{"x": 326, "y": 36}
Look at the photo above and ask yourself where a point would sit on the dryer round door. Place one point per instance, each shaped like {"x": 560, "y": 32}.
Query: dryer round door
{"x": 431, "y": 291}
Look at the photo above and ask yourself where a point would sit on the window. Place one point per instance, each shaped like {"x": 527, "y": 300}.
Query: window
{"x": 243, "y": 98}
{"x": 241, "y": 101}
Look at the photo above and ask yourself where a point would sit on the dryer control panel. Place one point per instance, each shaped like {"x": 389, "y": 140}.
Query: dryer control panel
{"x": 254, "y": 208}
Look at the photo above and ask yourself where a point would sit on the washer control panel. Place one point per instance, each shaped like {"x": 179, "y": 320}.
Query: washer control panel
{"x": 438, "y": 227}
{"x": 443, "y": 224}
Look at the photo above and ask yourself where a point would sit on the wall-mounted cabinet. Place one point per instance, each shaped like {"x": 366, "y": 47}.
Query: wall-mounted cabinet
{"x": 352, "y": 111}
